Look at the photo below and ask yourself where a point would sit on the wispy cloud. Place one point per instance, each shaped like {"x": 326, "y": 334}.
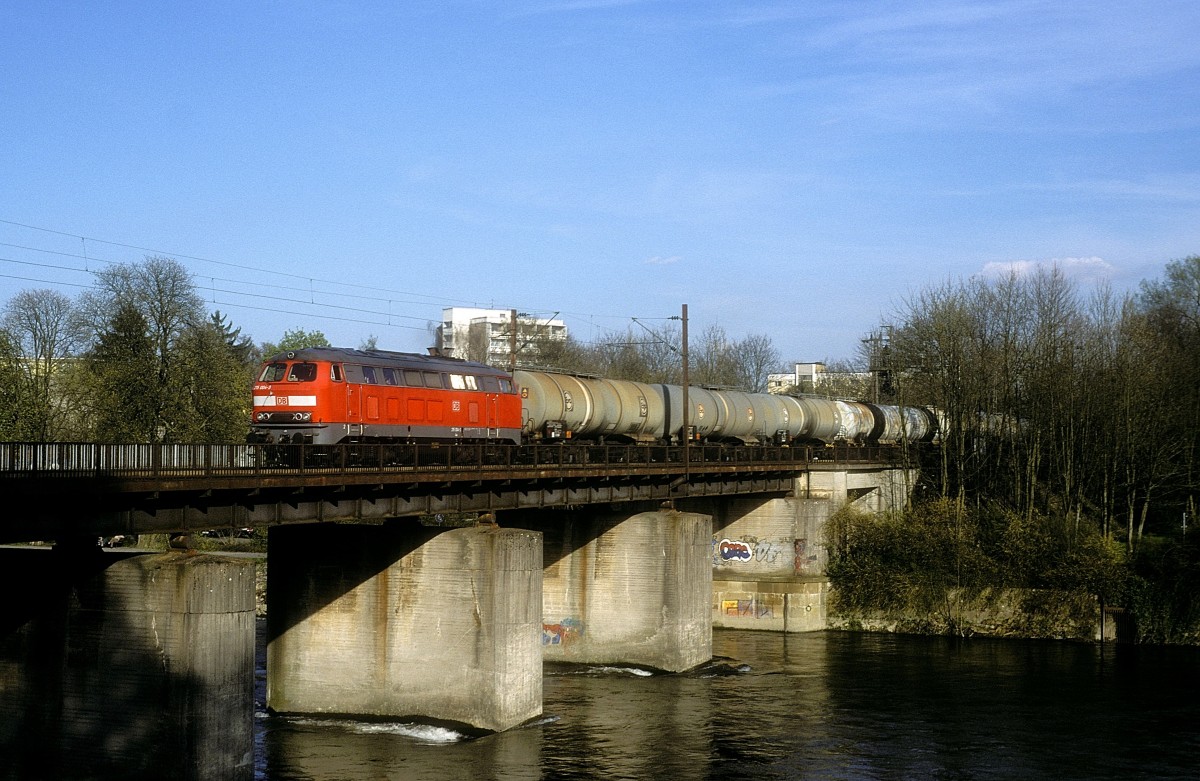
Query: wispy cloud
{"x": 929, "y": 63}
{"x": 659, "y": 260}
{"x": 1083, "y": 269}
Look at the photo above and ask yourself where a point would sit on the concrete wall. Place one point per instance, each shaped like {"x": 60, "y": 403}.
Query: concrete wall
{"x": 769, "y": 555}
{"x": 625, "y": 587}
{"x": 401, "y": 620}
{"x": 126, "y": 666}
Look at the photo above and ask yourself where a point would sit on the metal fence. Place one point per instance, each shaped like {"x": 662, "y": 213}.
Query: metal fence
{"x": 19, "y": 459}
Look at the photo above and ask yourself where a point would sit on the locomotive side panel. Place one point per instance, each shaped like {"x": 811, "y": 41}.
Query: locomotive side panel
{"x": 375, "y": 395}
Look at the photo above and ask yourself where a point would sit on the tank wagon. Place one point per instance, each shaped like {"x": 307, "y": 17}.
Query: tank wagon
{"x": 558, "y": 406}
{"x": 330, "y": 395}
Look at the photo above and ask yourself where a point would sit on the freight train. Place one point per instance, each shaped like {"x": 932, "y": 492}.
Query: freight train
{"x": 327, "y": 395}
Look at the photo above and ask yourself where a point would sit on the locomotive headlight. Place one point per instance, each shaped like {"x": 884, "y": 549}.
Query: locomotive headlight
{"x": 263, "y": 416}
{"x": 302, "y": 417}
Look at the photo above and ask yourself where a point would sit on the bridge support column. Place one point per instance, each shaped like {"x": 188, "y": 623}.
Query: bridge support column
{"x": 769, "y": 555}
{"x": 623, "y": 588}
{"x": 768, "y": 560}
{"x": 403, "y": 620}
{"x": 118, "y": 665}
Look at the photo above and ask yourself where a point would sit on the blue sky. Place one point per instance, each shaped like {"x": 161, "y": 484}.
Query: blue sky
{"x": 790, "y": 168}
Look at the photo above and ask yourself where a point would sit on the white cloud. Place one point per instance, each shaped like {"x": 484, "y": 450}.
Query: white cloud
{"x": 659, "y": 260}
{"x": 1085, "y": 269}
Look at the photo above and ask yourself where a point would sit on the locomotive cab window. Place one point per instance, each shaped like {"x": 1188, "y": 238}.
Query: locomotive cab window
{"x": 369, "y": 375}
{"x": 389, "y": 376}
{"x": 506, "y": 385}
{"x": 489, "y": 384}
{"x": 433, "y": 380}
{"x": 335, "y": 372}
{"x": 273, "y": 372}
{"x": 302, "y": 372}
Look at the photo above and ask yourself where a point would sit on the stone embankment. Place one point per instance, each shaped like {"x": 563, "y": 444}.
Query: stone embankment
{"x": 992, "y": 612}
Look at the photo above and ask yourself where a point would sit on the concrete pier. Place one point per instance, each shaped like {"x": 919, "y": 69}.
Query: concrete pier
{"x": 768, "y": 560}
{"x": 401, "y": 620}
{"x": 624, "y": 587}
{"x": 769, "y": 555}
{"x": 126, "y": 666}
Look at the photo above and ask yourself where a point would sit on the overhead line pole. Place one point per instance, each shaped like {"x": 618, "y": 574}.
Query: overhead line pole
{"x": 686, "y": 434}
{"x": 512, "y": 341}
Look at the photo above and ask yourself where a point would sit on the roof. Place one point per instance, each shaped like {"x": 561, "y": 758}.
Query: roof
{"x": 385, "y": 358}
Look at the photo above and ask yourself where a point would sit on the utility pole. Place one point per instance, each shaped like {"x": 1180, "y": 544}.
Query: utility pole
{"x": 686, "y": 406}
{"x": 512, "y": 341}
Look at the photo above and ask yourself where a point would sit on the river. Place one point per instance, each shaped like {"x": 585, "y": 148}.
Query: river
{"x": 827, "y": 705}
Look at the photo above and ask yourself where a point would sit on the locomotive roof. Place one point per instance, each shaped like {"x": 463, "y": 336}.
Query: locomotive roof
{"x": 385, "y": 358}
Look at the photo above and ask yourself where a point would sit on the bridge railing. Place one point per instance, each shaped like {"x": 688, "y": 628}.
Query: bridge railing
{"x": 18, "y": 459}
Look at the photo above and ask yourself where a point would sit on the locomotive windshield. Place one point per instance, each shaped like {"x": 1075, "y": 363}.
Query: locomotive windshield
{"x": 299, "y": 372}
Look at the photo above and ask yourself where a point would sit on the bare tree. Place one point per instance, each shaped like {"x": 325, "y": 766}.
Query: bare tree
{"x": 44, "y": 332}
{"x": 756, "y": 357}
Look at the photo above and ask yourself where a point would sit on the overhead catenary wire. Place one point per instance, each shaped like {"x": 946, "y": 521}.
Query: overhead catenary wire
{"x": 445, "y": 300}
{"x": 309, "y": 284}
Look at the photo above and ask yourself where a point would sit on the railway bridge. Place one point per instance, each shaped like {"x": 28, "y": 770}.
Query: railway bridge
{"x": 606, "y": 554}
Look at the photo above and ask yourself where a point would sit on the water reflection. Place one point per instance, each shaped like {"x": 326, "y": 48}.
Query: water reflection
{"x": 819, "y": 706}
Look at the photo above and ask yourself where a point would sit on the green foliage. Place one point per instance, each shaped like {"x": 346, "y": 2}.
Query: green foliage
{"x": 158, "y": 370}
{"x": 293, "y": 339}
{"x": 15, "y": 417}
{"x": 1164, "y": 592}
{"x": 210, "y": 388}
{"x": 122, "y": 372}
{"x": 240, "y": 347}
{"x": 1081, "y": 419}
{"x": 908, "y": 560}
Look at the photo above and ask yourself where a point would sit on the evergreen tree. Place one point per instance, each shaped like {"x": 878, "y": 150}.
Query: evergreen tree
{"x": 122, "y": 371}
{"x": 210, "y": 388}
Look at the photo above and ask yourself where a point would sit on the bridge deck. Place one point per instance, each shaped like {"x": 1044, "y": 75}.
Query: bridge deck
{"x": 88, "y": 488}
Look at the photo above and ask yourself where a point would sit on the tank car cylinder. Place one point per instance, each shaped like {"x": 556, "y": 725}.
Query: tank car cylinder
{"x": 553, "y": 398}
{"x": 822, "y": 419}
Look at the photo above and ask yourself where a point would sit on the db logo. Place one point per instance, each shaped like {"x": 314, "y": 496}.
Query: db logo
{"x": 732, "y": 550}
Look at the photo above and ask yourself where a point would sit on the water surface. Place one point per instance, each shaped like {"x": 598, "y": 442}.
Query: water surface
{"x": 829, "y": 705}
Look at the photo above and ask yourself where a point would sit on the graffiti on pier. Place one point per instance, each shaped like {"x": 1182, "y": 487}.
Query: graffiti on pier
{"x": 805, "y": 560}
{"x": 766, "y": 553}
{"x": 739, "y": 551}
{"x": 562, "y": 633}
{"x": 747, "y": 608}
{"x": 733, "y": 550}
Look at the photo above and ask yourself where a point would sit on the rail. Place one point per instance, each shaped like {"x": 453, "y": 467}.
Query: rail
{"x": 73, "y": 460}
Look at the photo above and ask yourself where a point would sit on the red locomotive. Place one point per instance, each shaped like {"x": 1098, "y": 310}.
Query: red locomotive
{"x": 326, "y": 395}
